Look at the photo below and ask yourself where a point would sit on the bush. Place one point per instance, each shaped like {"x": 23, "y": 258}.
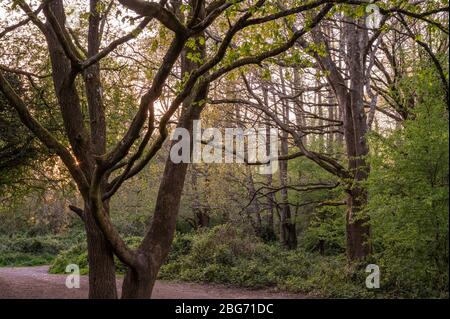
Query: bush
{"x": 181, "y": 245}
{"x": 409, "y": 200}
{"x": 78, "y": 255}
{"x": 74, "y": 255}
{"x": 32, "y": 251}
{"x": 243, "y": 260}
{"x": 16, "y": 259}
{"x": 231, "y": 256}
{"x": 33, "y": 245}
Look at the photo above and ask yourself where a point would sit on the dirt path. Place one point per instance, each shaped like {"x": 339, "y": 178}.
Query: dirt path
{"x": 35, "y": 282}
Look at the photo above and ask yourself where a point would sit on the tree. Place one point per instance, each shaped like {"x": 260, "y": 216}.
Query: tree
{"x": 93, "y": 167}
{"x": 343, "y": 52}
{"x": 409, "y": 188}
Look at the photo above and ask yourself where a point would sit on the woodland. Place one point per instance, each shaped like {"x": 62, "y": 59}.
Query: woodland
{"x": 90, "y": 95}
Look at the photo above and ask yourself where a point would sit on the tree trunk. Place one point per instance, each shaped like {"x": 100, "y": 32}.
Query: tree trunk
{"x": 288, "y": 234}
{"x": 350, "y": 98}
{"x": 355, "y": 127}
{"x": 357, "y": 227}
{"x": 269, "y": 233}
{"x": 155, "y": 247}
{"x": 102, "y": 276}
{"x": 201, "y": 216}
{"x": 253, "y": 210}
{"x": 201, "y": 219}
{"x": 138, "y": 284}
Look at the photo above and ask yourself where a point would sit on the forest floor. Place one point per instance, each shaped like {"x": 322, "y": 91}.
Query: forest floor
{"x": 36, "y": 282}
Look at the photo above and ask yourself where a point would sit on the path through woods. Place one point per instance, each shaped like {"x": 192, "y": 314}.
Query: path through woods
{"x": 36, "y": 282}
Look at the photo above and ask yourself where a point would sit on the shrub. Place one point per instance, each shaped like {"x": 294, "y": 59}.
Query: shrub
{"x": 74, "y": 255}
{"x": 229, "y": 256}
{"x": 31, "y": 251}
{"x": 78, "y": 255}
{"x": 15, "y": 259}
{"x": 32, "y": 245}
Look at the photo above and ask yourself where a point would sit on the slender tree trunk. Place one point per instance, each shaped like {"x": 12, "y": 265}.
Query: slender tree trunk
{"x": 332, "y": 117}
{"x": 253, "y": 209}
{"x": 350, "y": 98}
{"x": 270, "y": 231}
{"x": 288, "y": 233}
{"x": 340, "y": 62}
{"x": 300, "y": 119}
{"x": 321, "y": 140}
{"x": 201, "y": 217}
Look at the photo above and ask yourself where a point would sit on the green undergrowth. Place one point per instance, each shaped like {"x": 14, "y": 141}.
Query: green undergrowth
{"x": 35, "y": 250}
{"x": 226, "y": 255}
{"x": 232, "y": 256}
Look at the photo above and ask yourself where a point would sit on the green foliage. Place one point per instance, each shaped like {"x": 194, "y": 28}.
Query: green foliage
{"x": 326, "y": 231}
{"x": 408, "y": 184}
{"x": 229, "y": 255}
{"x": 31, "y": 251}
{"x": 409, "y": 191}
{"x": 15, "y": 259}
{"x": 77, "y": 254}
{"x": 243, "y": 260}
{"x": 254, "y": 264}
{"x": 321, "y": 228}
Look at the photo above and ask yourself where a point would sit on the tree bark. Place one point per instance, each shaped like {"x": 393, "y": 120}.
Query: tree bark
{"x": 253, "y": 210}
{"x": 288, "y": 233}
{"x": 355, "y": 125}
{"x": 139, "y": 281}
{"x": 102, "y": 276}
{"x": 350, "y": 97}
{"x": 201, "y": 216}
{"x": 269, "y": 233}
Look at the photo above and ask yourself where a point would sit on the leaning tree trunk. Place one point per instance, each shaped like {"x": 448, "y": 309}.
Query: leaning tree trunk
{"x": 139, "y": 281}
